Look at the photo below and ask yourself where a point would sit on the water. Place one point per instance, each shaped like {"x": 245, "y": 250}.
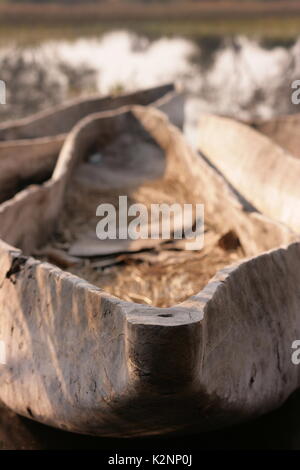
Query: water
{"x": 236, "y": 76}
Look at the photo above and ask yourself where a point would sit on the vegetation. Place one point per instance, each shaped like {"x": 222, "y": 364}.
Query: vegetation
{"x": 265, "y": 18}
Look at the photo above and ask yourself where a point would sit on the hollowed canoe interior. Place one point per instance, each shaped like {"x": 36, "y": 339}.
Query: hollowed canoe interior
{"x": 28, "y": 157}
{"x": 162, "y": 274}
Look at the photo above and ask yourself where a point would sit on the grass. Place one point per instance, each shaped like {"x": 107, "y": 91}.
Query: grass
{"x": 31, "y": 23}
{"x": 270, "y": 28}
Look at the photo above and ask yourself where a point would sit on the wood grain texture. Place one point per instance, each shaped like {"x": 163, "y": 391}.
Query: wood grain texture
{"x": 260, "y": 170}
{"x": 82, "y": 360}
{"x": 284, "y": 130}
{"x": 29, "y": 147}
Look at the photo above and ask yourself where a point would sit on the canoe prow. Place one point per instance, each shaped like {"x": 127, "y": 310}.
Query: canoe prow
{"x": 84, "y": 361}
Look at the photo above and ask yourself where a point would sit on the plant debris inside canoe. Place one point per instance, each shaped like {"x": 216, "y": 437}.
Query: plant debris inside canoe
{"x": 155, "y": 272}
{"x": 160, "y": 277}
{"x": 137, "y": 154}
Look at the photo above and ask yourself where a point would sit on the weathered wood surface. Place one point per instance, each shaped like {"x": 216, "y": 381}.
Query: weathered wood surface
{"x": 60, "y": 119}
{"x": 26, "y": 162}
{"x": 29, "y": 147}
{"x": 82, "y": 360}
{"x": 34, "y": 211}
{"x": 264, "y": 173}
{"x": 284, "y": 130}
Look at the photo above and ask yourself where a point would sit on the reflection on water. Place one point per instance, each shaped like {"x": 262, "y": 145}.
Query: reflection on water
{"x": 233, "y": 76}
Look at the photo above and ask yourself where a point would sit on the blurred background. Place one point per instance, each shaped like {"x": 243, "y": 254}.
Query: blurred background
{"x": 235, "y": 58}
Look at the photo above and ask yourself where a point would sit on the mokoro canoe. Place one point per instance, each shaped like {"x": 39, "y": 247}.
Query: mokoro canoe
{"x": 80, "y": 359}
{"x": 264, "y": 173}
{"x": 284, "y": 130}
{"x": 29, "y": 147}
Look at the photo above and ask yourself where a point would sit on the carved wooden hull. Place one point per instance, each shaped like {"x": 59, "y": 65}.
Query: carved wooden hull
{"x": 82, "y": 360}
{"x": 264, "y": 173}
{"x": 29, "y": 147}
{"x": 284, "y": 130}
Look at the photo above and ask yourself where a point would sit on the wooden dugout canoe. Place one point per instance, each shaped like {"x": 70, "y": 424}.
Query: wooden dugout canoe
{"x": 259, "y": 169}
{"x": 82, "y": 360}
{"x": 29, "y": 147}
